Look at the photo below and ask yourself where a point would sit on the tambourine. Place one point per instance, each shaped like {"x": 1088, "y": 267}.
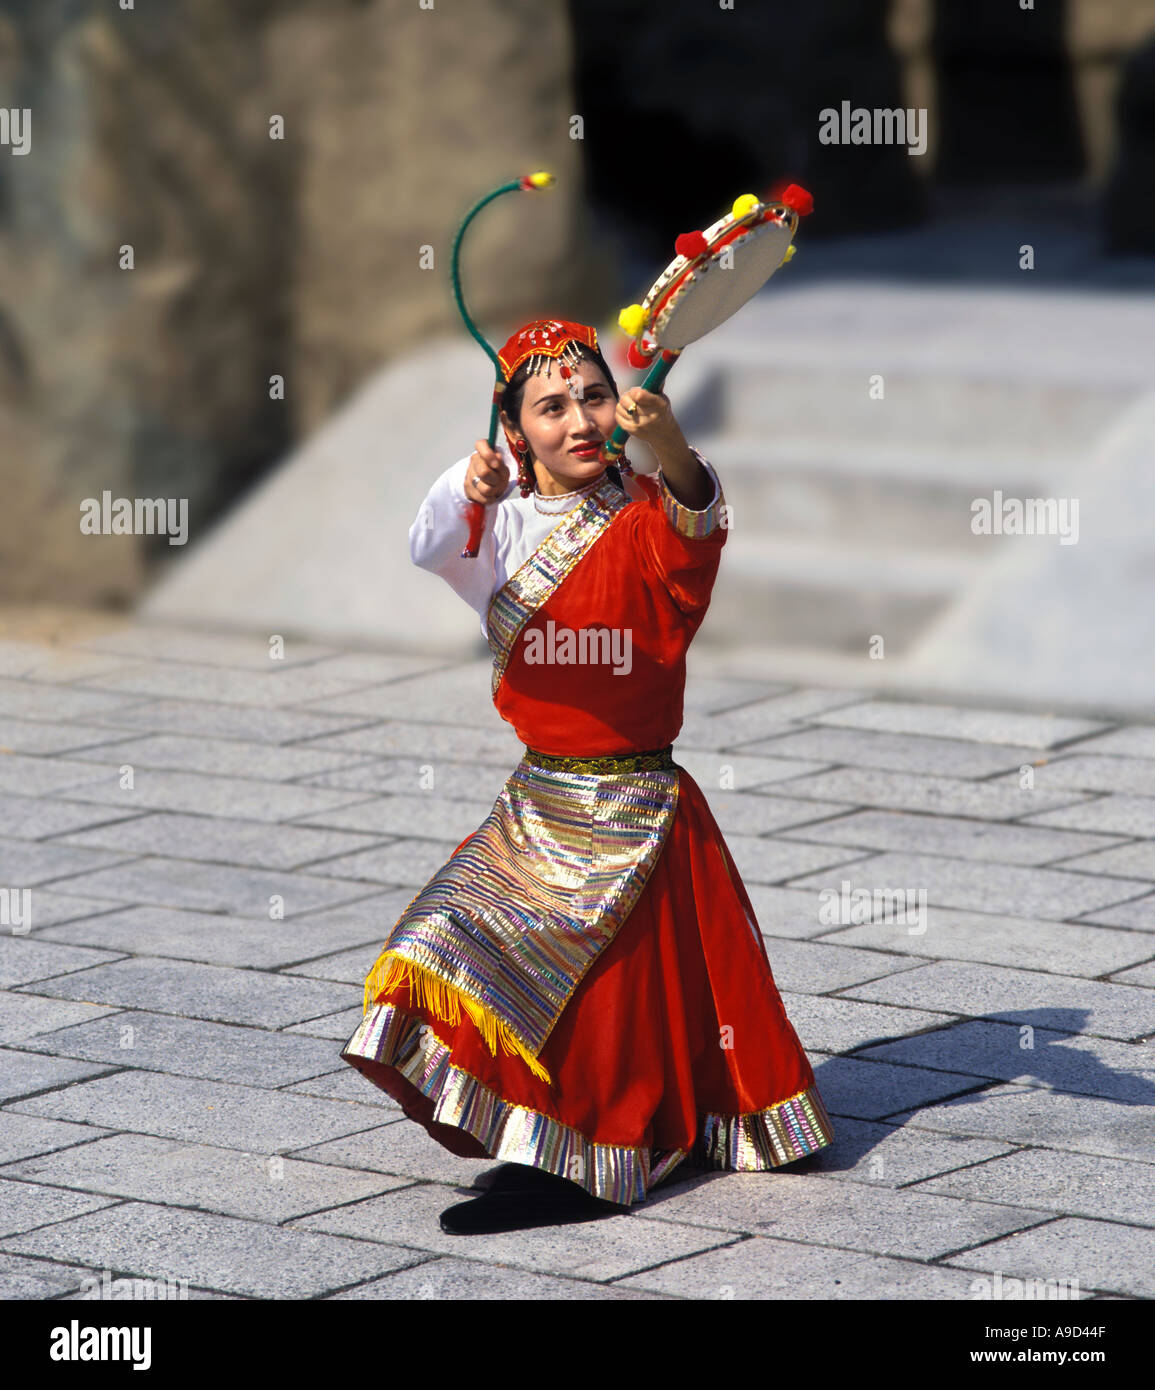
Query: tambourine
{"x": 713, "y": 275}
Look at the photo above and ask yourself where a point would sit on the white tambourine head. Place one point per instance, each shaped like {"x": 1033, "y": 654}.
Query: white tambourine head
{"x": 720, "y": 285}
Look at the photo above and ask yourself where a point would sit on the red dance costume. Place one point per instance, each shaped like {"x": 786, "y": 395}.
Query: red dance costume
{"x": 583, "y": 986}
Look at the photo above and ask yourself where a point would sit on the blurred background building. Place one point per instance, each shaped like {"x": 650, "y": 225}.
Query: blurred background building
{"x": 221, "y": 195}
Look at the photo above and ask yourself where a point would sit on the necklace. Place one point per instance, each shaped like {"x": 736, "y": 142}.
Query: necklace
{"x": 563, "y": 501}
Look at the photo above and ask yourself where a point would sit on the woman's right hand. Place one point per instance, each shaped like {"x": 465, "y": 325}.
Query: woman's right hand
{"x": 487, "y": 476}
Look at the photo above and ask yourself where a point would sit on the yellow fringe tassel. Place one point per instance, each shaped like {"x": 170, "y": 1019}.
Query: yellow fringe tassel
{"x": 444, "y": 1001}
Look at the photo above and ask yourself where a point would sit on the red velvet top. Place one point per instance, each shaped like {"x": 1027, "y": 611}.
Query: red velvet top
{"x": 647, "y": 582}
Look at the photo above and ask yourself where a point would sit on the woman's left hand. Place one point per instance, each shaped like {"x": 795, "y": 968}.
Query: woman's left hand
{"x": 651, "y": 420}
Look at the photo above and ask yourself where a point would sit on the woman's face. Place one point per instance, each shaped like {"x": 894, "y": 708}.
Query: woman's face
{"x": 561, "y": 415}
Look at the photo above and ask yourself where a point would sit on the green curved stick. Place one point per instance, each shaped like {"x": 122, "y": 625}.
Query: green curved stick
{"x": 527, "y": 183}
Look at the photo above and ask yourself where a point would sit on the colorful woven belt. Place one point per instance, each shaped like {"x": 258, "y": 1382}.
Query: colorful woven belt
{"x": 651, "y": 761}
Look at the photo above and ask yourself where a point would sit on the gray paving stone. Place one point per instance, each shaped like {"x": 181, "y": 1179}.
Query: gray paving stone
{"x": 1138, "y": 914}
{"x": 215, "y": 1252}
{"x": 340, "y": 1026}
{"x": 419, "y": 815}
{"x": 602, "y": 1250}
{"x": 202, "y": 1112}
{"x": 716, "y": 694}
{"x": 1053, "y": 893}
{"x": 346, "y": 1084}
{"x": 195, "y": 990}
{"x": 1130, "y": 861}
{"x": 193, "y": 717}
{"x": 1102, "y": 1255}
{"x": 1060, "y": 947}
{"x": 942, "y": 757}
{"x": 837, "y": 1025}
{"x": 36, "y": 1279}
{"x": 1056, "y": 1120}
{"x": 399, "y": 776}
{"x": 772, "y": 861}
{"x": 222, "y": 840}
{"x": 231, "y": 757}
{"x": 373, "y": 668}
{"x": 25, "y": 1205}
{"x": 23, "y": 960}
{"x": 469, "y": 1281}
{"x": 1143, "y": 975}
{"x": 191, "y": 1047}
{"x": 786, "y": 911}
{"x": 157, "y": 790}
{"x": 813, "y": 967}
{"x": 26, "y": 1074}
{"x": 955, "y": 722}
{"x": 163, "y": 642}
{"x": 27, "y": 736}
{"x": 457, "y": 695}
{"x": 221, "y": 940}
{"x": 764, "y": 1268}
{"x": 708, "y": 733}
{"x": 28, "y": 863}
{"x": 28, "y": 776}
{"x": 803, "y": 702}
{"x": 1057, "y": 1061}
{"x": 35, "y": 662}
{"x": 741, "y": 772}
{"x": 1020, "y": 996}
{"x": 945, "y": 796}
{"x": 241, "y": 892}
{"x": 755, "y": 719}
{"x": 402, "y": 862}
{"x": 954, "y": 836}
{"x": 1135, "y": 741}
{"x": 23, "y": 1136}
{"x": 404, "y": 739}
{"x": 818, "y": 1211}
{"x": 1083, "y": 772}
{"x": 25, "y": 1016}
{"x": 347, "y": 967}
{"x": 1107, "y": 1189}
{"x": 34, "y": 818}
{"x": 270, "y": 688}
{"x": 890, "y": 1156}
{"x": 254, "y": 1185}
{"x": 402, "y": 1149}
{"x": 874, "y": 1090}
{"x": 1114, "y": 815}
{"x": 22, "y": 699}
{"x": 50, "y": 908}
{"x": 753, "y": 813}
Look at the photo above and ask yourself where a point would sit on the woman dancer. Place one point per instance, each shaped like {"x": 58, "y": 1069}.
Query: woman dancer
{"x": 582, "y": 989}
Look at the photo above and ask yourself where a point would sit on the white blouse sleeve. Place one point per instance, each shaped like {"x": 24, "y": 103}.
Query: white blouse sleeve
{"x": 438, "y": 535}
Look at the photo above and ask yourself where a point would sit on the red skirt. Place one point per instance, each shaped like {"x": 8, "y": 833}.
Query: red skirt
{"x": 674, "y": 1046}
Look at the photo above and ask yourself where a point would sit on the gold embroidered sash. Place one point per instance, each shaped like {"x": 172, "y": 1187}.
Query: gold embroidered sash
{"x": 509, "y": 926}
{"x": 524, "y": 592}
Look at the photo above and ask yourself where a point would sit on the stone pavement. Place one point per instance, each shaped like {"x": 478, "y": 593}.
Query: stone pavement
{"x": 174, "y": 1106}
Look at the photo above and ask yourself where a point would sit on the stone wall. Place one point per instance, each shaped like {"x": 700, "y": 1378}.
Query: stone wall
{"x": 251, "y": 256}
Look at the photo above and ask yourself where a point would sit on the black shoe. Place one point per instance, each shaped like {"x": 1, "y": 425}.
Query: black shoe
{"x": 519, "y": 1210}
{"x": 523, "y": 1177}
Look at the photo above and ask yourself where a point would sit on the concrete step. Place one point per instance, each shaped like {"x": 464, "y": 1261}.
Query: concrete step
{"x": 960, "y": 366}
{"x": 802, "y": 592}
{"x": 875, "y": 494}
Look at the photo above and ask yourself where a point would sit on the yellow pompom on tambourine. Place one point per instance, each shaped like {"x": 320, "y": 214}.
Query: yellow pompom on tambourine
{"x": 749, "y": 244}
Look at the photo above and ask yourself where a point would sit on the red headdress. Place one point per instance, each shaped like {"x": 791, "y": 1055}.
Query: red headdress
{"x": 543, "y": 339}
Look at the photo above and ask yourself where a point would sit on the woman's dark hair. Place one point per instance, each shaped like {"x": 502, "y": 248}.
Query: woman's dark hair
{"x": 512, "y": 396}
